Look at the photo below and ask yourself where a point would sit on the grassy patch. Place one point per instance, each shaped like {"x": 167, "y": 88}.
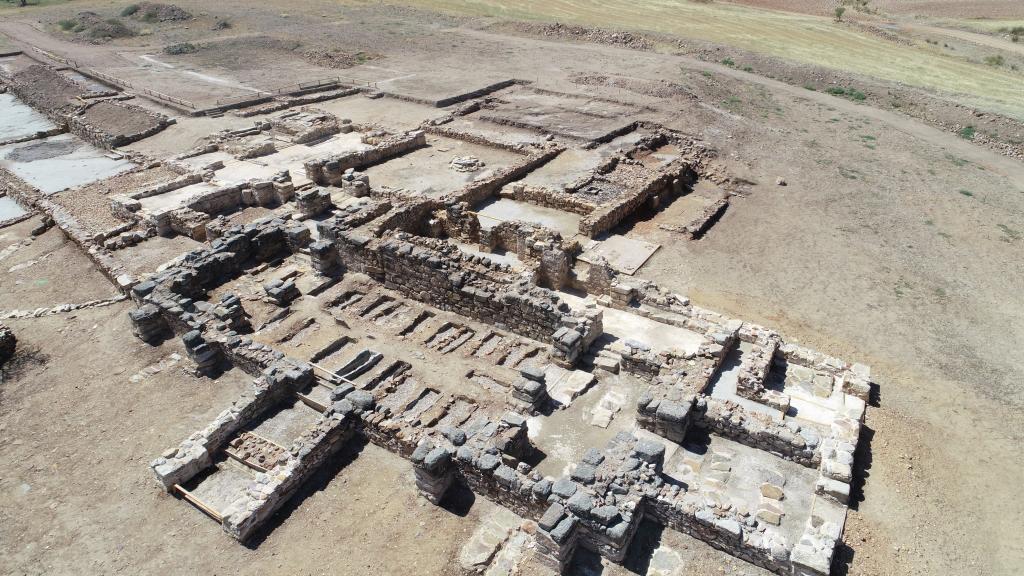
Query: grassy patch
{"x": 851, "y": 93}
{"x": 129, "y": 10}
{"x": 66, "y": 24}
{"x": 996, "y": 60}
{"x": 967, "y": 132}
{"x": 850, "y": 173}
{"x": 728, "y": 62}
{"x": 958, "y": 162}
{"x": 1010, "y": 235}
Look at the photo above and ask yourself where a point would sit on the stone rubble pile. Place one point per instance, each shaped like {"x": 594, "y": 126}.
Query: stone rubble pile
{"x": 7, "y": 343}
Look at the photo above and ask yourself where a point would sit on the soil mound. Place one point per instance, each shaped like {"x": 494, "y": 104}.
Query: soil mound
{"x": 336, "y": 59}
{"x": 94, "y": 27}
{"x": 156, "y": 12}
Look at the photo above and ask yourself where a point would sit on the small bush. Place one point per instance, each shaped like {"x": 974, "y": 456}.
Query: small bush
{"x": 996, "y": 60}
{"x": 221, "y": 24}
{"x": 851, "y": 93}
{"x": 129, "y": 10}
{"x": 183, "y": 48}
{"x": 66, "y": 25}
{"x": 809, "y": 87}
{"x": 748, "y": 68}
{"x": 728, "y": 62}
{"x": 966, "y": 192}
{"x": 967, "y": 132}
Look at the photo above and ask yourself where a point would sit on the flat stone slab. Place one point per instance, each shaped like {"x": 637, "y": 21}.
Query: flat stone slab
{"x": 564, "y": 386}
{"x": 623, "y": 254}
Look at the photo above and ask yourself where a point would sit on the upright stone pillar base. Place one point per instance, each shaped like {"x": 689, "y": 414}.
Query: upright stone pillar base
{"x": 147, "y": 323}
{"x": 434, "y": 471}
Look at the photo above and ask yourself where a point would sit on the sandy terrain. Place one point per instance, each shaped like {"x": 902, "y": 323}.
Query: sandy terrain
{"x": 894, "y": 243}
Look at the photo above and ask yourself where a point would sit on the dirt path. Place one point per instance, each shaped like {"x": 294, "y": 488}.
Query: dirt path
{"x": 26, "y": 35}
{"x": 982, "y": 39}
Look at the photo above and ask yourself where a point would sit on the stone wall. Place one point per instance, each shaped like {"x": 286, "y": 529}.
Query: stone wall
{"x": 666, "y": 181}
{"x": 105, "y": 123}
{"x": 330, "y": 171}
{"x": 109, "y": 124}
{"x": 436, "y": 272}
{"x": 552, "y": 199}
{"x": 479, "y": 190}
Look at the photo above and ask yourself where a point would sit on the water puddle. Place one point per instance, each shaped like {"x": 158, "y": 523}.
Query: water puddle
{"x": 10, "y": 209}
{"x": 59, "y": 162}
{"x": 18, "y": 119}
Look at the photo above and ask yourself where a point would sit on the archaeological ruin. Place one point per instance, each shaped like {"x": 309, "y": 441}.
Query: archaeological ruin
{"x": 452, "y": 290}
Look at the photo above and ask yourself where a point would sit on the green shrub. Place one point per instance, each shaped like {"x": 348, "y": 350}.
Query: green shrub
{"x": 66, "y": 25}
{"x": 967, "y": 132}
{"x": 728, "y": 62}
{"x": 183, "y": 48}
{"x": 130, "y": 9}
{"x": 996, "y": 60}
{"x": 851, "y": 93}
{"x": 966, "y": 192}
{"x": 809, "y": 87}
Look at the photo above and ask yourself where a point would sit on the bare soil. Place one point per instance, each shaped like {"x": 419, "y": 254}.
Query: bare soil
{"x": 895, "y": 243}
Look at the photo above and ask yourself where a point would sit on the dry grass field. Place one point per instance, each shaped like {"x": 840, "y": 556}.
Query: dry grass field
{"x": 803, "y": 38}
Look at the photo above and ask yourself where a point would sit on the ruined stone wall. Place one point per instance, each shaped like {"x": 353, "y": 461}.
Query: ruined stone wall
{"x": 193, "y": 455}
{"x": 666, "y": 181}
{"x": 722, "y": 533}
{"x": 329, "y": 171}
{"x": 449, "y": 132}
{"x": 552, "y": 199}
{"x": 104, "y": 123}
{"x": 272, "y": 489}
{"x": 436, "y": 272}
{"x": 484, "y": 188}
{"x": 730, "y": 420}
{"x": 27, "y": 196}
{"x": 108, "y": 124}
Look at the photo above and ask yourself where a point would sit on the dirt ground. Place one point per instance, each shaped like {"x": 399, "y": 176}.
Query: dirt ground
{"x": 939, "y": 8}
{"x": 894, "y": 243}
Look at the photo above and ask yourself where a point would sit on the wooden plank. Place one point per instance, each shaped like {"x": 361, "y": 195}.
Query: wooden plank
{"x": 198, "y": 503}
{"x": 311, "y": 403}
